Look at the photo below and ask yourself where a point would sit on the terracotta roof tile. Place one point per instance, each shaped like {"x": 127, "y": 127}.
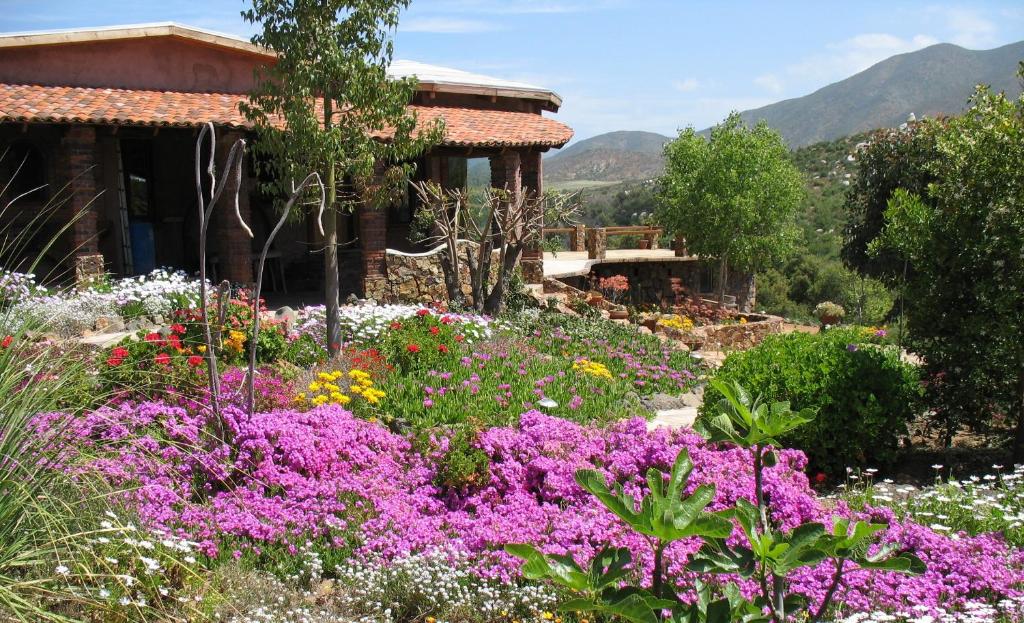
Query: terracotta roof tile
{"x": 463, "y": 126}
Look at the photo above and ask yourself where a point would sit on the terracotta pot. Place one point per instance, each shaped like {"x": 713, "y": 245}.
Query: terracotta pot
{"x": 618, "y": 314}
{"x": 831, "y": 320}
{"x": 596, "y": 300}
{"x": 645, "y": 243}
{"x": 652, "y": 324}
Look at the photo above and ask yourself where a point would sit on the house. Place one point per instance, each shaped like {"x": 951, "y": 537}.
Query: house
{"x": 106, "y": 120}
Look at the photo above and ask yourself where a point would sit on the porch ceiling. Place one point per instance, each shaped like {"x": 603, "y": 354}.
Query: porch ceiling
{"x": 464, "y": 127}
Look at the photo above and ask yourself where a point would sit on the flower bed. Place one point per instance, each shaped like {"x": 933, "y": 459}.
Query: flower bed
{"x": 328, "y": 476}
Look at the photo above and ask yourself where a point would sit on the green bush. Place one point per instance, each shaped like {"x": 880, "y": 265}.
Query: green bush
{"x": 863, "y": 395}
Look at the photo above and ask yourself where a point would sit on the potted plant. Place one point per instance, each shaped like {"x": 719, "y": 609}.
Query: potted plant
{"x": 829, "y": 313}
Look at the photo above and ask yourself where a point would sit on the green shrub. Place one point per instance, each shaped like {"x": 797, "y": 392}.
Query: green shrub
{"x": 863, "y": 395}
{"x": 464, "y": 464}
{"x": 304, "y": 352}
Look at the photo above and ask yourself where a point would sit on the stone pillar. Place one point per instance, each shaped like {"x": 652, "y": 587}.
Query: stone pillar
{"x": 78, "y": 158}
{"x": 597, "y": 243}
{"x": 679, "y": 244}
{"x": 533, "y": 254}
{"x": 233, "y": 245}
{"x": 373, "y": 243}
{"x": 578, "y": 239}
{"x": 746, "y": 293}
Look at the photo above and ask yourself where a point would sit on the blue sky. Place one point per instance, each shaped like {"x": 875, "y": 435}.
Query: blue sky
{"x": 655, "y": 65}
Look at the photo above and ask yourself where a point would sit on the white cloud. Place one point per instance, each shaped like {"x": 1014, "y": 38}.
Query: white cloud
{"x": 769, "y": 82}
{"x": 967, "y": 27}
{"x": 686, "y": 85}
{"x": 445, "y": 25}
{"x": 845, "y": 58}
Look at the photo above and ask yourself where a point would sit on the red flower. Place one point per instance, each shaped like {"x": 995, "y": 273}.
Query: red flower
{"x": 460, "y": 338}
{"x": 6, "y": 342}
{"x": 114, "y": 361}
{"x": 423, "y": 312}
{"x": 820, "y": 477}
{"x": 195, "y": 361}
{"x": 162, "y": 359}
{"x": 435, "y": 330}
{"x": 447, "y": 320}
{"x": 396, "y": 325}
{"x": 177, "y": 328}
{"x": 153, "y": 338}
{"x": 442, "y": 348}
{"x": 412, "y": 348}
{"x": 120, "y": 352}
{"x": 175, "y": 342}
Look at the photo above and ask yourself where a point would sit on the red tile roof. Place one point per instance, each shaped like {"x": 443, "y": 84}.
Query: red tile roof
{"x": 463, "y": 126}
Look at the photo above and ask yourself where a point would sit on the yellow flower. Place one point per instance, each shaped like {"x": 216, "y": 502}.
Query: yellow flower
{"x": 743, "y": 321}
{"x": 548, "y": 616}
{"x": 355, "y": 389}
{"x": 325, "y": 376}
{"x": 201, "y": 348}
{"x": 431, "y": 620}
{"x": 320, "y": 400}
{"x": 592, "y": 368}
{"x": 675, "y": 321}
{"x": 314, "y": 387}
{"x": 301, "y": 397}
{"x": 331, "y": 387}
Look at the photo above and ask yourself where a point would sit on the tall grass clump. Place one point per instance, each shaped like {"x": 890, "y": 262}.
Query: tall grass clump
{"x": 67, "y": 552}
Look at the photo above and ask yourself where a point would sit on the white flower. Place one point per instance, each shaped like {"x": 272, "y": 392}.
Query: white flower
{"x": 62, "y": 570}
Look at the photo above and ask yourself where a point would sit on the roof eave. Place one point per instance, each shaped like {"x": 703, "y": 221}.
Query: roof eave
{"x": 476, "y": 89}
{"x": 168, "y": 29}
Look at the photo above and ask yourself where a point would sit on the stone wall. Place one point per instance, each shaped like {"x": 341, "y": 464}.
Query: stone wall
{"x": 735, "y": 336}
{"x": 419, "y": 278}
{"x": 665, "y": 281}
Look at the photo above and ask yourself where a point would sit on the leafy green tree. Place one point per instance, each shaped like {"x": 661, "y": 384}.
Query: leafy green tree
{"x": 965, "y": 295}
{"x": 733, "y": 197}
{"x": 892, "y": 158}
{"x": 324, "y": 105}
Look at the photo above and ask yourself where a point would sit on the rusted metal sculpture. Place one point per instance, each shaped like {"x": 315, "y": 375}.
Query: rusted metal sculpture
{"x": 206, "y": 205}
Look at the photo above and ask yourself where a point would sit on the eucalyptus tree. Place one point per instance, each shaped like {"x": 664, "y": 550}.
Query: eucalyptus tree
{"x": 327, "y": 105}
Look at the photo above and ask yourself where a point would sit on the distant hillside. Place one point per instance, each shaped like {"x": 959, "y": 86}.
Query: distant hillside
{"x": 611, "y": 157}
{"x": 936, "y": 80}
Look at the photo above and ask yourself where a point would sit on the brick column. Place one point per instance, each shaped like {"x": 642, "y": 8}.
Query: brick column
{"x": 79, "y": 159}
{"x": 533, "y": 255}
{"x": 233, "y": 246}
{"x": 373, "y": 242}
{"x": 507, "y": 172}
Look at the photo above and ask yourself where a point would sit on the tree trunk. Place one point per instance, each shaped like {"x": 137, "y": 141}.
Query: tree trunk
{"x": 332, "y": 289}
{"x": 452, "y": 278}
{"x": 723, "y": 274}
{"x": 495, "y": 299}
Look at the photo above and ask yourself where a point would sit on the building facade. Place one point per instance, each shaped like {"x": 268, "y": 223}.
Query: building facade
{"x": 98, "y": 131}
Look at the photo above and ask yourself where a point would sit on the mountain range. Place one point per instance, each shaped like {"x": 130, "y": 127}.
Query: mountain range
{"x": 933, "y": 81}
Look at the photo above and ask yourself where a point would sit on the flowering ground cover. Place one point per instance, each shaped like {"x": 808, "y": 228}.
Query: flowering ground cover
{"x": 353, "y": 487}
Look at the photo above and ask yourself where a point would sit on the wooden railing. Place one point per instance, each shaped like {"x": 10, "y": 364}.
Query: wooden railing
{"x": 594, "y": 240}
